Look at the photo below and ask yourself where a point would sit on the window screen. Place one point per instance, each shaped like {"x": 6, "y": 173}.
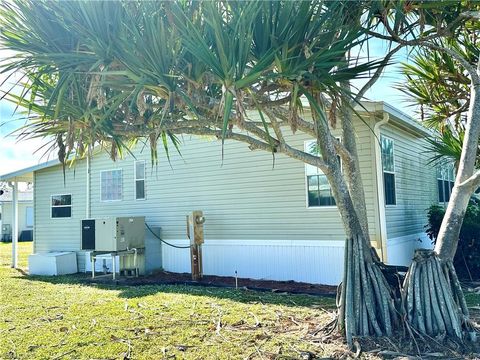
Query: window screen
{"x": 319, "y": 192}
{"x": 61, "y": 206}
{"x": 388, "y": 164}
{"x": 139, "y": 180}
{"x": 445, "y": 181}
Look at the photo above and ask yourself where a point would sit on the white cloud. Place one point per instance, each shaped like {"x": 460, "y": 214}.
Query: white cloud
{"x": 15, "y": 156}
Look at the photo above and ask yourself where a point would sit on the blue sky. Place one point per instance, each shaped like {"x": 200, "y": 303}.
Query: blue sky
{"x": 16, "y": 155}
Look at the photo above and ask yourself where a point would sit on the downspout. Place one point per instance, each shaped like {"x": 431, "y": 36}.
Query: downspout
{"x": 87, "y": 201}
{"x": 14, "y": 186}
{"x": 34, "y": 214}
{"x": 380, "y": 190}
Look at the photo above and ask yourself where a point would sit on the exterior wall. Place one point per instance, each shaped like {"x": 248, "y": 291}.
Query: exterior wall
{"x": 59, "y": 234}
{"x": 6, "y": 211}
{"x": 416, "y": 191}
{"x": 257, "y": 220}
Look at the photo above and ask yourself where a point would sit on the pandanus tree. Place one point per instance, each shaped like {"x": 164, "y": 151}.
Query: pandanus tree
{"x": 444, "y": 79}
{"x": 113, "y": 73}
{"x": 439, "y": 86}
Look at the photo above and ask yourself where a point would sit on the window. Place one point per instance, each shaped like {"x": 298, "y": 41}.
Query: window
{"x": 319, "y": 192}
{"x": 29, "y": 215}
{"x": 445, "y": 181}
{"x": 140, "y": 180}
{"x": 388, "y": 163}
{"x": 111, "y": 185}
{"x": 61, "y": 206}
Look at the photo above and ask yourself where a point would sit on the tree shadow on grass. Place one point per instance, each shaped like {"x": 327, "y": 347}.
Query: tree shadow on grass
{"x": 242, "y": 295}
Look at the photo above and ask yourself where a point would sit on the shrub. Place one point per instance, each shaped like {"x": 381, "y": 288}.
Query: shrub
{"x": 467, "y": 257}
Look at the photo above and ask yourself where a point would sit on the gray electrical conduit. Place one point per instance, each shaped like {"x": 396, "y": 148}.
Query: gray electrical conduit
{"x": 167, "y": 243}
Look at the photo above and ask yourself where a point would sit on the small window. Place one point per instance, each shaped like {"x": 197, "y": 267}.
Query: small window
{"x": 445, "y": 182}
{"x": 140, "y": 180}
{"x": 61, "y": 206}
{"x": 111, "y": 185}
{"x": 319, "y": 192}
{"x": 388, "y": 163}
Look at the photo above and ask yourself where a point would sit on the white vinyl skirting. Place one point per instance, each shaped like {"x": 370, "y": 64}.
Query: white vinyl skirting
{"x": 400, "y": 250}
{"x": 318, "y": 262}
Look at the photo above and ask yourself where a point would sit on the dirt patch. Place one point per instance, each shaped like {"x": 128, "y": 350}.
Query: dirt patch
{"x": 170, "y": 278}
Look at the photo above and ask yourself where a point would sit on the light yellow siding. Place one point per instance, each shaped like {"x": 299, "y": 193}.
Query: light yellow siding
{"x": 59, "y": 234}
{"x": 245, "y": 197}
{"x": 415, "y": 183}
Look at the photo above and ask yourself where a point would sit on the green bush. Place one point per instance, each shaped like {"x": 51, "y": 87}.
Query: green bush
{"x": 467, "y": 258}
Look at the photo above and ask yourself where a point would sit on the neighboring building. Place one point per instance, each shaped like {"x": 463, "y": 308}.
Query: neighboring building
{"x": 263, "y": 220}
{"x": 25, "y": 214}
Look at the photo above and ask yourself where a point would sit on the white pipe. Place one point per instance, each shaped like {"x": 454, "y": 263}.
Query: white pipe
{"x": 14, "y": 186}
{"x": 87, "y": 203}
{"x": 380, "y": 190}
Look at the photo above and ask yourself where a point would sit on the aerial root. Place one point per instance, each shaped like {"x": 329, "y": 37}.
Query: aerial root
{"x": 366, "y": 303}
{"x": 434, "y": 303}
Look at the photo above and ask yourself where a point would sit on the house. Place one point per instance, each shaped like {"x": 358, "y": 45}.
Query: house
{"x": 266, "y": 221}
{"x": 25, "y": 214}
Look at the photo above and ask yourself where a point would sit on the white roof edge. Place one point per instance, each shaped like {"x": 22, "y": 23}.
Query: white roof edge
{"x": 398, "y": 116}
{"x": 24, "y": 173}
{"x": 407, "y": 120}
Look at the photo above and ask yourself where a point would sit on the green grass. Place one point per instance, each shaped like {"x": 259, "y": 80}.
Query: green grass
{"x": 65, "y": 318}
{"x": 58, "y": 317}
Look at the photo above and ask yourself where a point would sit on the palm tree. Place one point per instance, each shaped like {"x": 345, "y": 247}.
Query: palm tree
{"x": 440, "y": 86}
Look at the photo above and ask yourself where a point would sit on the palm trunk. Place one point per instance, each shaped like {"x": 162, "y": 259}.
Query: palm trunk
{"x": 447, "y": 241}
{"x": 366, "y": 303}
{"x": 352, "y": 166}
{"x": 441, "y": 309}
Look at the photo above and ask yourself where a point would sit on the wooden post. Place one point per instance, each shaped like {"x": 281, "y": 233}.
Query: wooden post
{"x": 195, "y": 221}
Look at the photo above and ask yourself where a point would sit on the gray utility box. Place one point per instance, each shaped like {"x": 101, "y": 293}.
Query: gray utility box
{"x": 113, "y": 234}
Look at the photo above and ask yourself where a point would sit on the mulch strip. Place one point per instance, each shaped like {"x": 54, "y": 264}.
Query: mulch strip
{"x": 170, "y": 278}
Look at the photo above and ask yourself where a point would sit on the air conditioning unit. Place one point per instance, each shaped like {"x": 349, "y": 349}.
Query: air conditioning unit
{"x": 113, "y": 234}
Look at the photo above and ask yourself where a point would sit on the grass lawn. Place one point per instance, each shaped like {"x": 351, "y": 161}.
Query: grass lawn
{"x": 61, "y": 318}
{"x": 57, "y": 317}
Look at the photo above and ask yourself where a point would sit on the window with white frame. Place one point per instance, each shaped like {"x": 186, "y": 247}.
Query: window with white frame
{"x": 388, "y": 163}
{"x": 319, "y": 192}
{"x": 111, "y": 185}
{"x": 445, "y": 181}
{"x": 61, "y": 206}
{"x": 140, "y": 180}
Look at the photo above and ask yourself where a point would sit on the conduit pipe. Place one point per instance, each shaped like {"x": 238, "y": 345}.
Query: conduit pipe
{"x": 14, "y": 186}
{"x": 380, "y": 189}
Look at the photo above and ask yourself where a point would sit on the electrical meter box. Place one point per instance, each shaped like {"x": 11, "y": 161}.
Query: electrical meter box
{"x": 113, "y": 234}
